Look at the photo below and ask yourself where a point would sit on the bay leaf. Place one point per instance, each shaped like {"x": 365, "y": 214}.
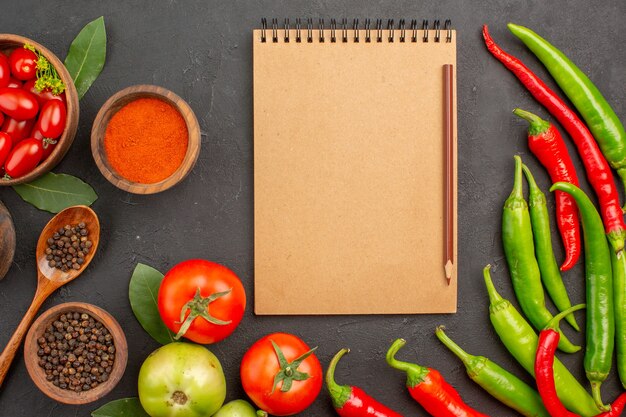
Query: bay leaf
{"x": 86, "y": 56}
{"x": 55, "y": 192}
{"x": 125, "y": 407}
{"x": 143, "y": 291}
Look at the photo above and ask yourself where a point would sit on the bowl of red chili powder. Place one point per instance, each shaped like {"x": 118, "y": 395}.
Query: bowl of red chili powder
{"x": 145, "y": 139}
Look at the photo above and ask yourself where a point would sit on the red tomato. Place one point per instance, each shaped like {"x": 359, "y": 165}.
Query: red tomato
{"x": 18, "y": 104}
{"x": 24, "y": 157}
{"x": 42, "y": 96}
{"x": 23, "y": 63}
{"x": 209, "y": 296}
{"x": 261, "y": 364}
{"x": 14, "y": 83}
{"x": 18, "y": 129}
{"x": 47, "y": 144}
{"x": 51, "y": 120}
{"x": 5, "y": 146}
{"x": 5, "y": 71}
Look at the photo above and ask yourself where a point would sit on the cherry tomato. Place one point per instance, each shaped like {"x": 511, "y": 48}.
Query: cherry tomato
{"x": 209, "y": 296}
{"x": 47, "y": 144}
{"x": 18, "y": 104}
{"x": 51, "y": 120}
{"x": 42, "y": 96}
{"x": 5, "y": 146}
{"x": 24, "y": 157}
{"x": 14, "y": 83}
{"x": 23, "y": 63}
{"x": 18, "y": 129}
{"x": 262, "y": 363}
{"x": 5, "y": 71}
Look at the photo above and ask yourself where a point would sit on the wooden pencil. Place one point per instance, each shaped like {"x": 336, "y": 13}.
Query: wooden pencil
{"x": 449, "y": 168}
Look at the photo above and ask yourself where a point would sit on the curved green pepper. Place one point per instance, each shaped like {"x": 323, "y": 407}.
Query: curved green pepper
{"x": 521, "y": 341}
{"x": 550, "y": 273}
{"x": 497, "y": 381}
{"x": 599, "y": 282}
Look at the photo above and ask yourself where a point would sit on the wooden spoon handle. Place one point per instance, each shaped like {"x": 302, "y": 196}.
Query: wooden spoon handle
{"x": 6, "y": 358}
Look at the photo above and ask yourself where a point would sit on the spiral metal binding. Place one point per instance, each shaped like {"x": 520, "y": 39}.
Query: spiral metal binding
{"x": 274, "y": 30}
{"x": 448, "y": 27}
{"x": 391, "y": 28}
{"x": 414, "y": 30}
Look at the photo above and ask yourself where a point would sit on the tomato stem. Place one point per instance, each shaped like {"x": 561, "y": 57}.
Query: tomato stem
{"x": 198, "y": 306}
{"x": 289, "y": 370}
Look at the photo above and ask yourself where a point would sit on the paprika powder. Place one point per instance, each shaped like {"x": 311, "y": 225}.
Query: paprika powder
{"x": 146, "y": 140}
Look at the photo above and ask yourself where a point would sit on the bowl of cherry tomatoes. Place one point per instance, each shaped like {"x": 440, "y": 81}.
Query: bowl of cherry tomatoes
{"x": 38, "y": 110}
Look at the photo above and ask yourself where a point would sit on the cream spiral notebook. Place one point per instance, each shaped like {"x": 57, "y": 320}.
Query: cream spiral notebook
{"x": 349, "y": 167}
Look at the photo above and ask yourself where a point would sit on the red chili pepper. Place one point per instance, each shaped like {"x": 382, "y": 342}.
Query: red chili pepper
{"x": 598, "y": 170}
{"x": 350, "y": 401}
{"x": 429, "y": 389}
{"x": 546, "y": 143}
{"x": 544, "y": 371}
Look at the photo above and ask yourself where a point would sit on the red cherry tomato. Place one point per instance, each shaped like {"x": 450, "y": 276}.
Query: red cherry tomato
{"x": 42, "y": 96}
{"x": 52, "y": 117}
{"x": 261, "y": 364}
{"x": 14, "y": 83}
{"x": 18, "y": 104}
{"x": 24, "y": 157}
{"x": 5, "y": 71}
{"x": 47, "y": 144}
{"x": 18, "y": 129}
{"x": 5, "y": 146}
{"x": 209, "y": 296}
{"x": 23, "y": 63}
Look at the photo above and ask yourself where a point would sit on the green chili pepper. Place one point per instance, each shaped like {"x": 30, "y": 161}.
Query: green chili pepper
{"x": 521, "y": 341}
{"x": 519, "y": 249}
{"x": 498, "y": 382}
{"x": 618, "y": 263}
{"x": 592, "y": 106}
{"x": 599, "y": 282}
{"x": 550, "y": 273}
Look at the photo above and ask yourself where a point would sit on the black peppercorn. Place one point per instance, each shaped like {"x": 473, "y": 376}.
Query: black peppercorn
{"x": 76, "y": 352}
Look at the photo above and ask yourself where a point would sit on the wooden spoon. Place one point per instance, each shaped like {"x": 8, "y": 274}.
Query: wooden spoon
{"x": 7, "y": 240}
{"x": 49, "y": 279}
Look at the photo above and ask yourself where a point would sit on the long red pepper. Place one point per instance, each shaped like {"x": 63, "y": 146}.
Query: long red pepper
{"x": 427, "y": 387}
{"x": 351, "y": 401}
{"x": 544, "y": 371}
{"x": 598, "y": 171}
{"x": 546, "y": 143}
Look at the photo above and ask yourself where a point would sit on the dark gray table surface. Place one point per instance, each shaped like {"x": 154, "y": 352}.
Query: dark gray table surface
{"x": 202, "y": 51}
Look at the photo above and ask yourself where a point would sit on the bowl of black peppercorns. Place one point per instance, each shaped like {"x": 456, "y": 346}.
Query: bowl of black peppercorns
{"x": 75, "y": 353}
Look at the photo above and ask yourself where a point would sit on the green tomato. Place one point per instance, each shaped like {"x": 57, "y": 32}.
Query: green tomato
{"x": 181, "y": 380}
{"x": 237, "y": 408}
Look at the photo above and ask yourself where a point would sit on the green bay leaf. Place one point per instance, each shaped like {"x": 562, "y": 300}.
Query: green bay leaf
{"x": 55, "y": 192}
{"x": 143, "y": 292}
{"x": 87, "y": 54}
{"x": 125, "y": 407}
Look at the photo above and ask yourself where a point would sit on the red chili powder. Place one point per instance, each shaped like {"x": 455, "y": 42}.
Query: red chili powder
{"x": 146, "y": 140}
